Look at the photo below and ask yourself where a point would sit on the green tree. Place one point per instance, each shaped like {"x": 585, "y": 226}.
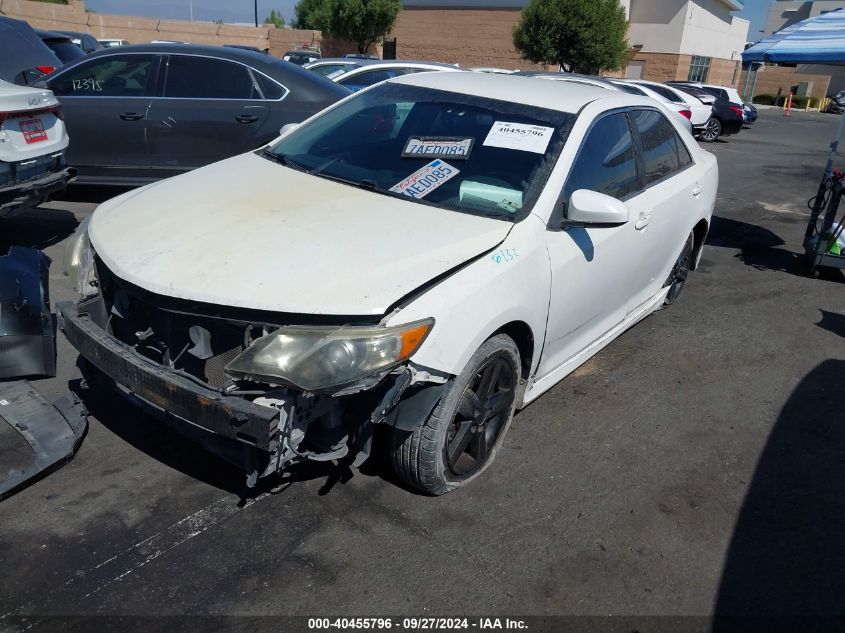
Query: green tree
{"x": 586, "y": 36}
{"x": 275, "y": 19}
{"x": 311, "y": 14}
{"x": 362, "y": 21}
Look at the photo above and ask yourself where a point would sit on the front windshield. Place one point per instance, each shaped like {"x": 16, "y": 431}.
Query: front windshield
{"x": 460, "y": 152}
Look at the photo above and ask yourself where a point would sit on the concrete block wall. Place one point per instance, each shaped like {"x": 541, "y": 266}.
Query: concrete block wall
{"x": 137, "y": 30}
{"x": 772, "y": 78}
{"x": 466, "y": 37}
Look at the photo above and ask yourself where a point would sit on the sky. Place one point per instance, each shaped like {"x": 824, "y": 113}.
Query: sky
{"x": 242, "y": 10}
{"x": 204, "y": 10}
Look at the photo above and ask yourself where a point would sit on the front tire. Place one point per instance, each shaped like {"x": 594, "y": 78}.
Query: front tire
{"x": 459, "y": 440}
{"x": 712, "y": 130}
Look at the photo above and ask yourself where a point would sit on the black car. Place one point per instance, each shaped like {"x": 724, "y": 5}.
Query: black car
{"x": 727, "y": 117}
{"x": 141, "y": 113}
{"x": 300, "y": 58}
{"x": 62, "y": 46}
{"x": 24, "y": 58}
{"x": 85, "y": 41}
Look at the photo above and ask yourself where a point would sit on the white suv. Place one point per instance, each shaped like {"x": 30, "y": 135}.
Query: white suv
{"x": 33, "y": 140}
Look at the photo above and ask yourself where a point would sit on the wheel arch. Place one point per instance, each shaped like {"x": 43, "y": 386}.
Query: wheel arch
{"x": 699, "y": 233}
{"x": 523, "y": 336}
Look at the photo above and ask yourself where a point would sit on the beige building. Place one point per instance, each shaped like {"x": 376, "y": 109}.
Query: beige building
{"x": 697, "y": 40}
{"x": 783, "y": 13}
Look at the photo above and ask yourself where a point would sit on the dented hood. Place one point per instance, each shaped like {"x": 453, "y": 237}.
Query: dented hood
{"x": 250, "y": 233}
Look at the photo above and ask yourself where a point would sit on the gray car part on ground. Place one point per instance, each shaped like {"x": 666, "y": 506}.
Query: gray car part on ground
{"x": 52, "y": 431}
{"x": 27, "y": 331}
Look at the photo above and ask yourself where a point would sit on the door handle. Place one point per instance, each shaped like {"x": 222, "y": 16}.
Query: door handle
{"x": 697, "y": 191}
{"x": 131, "y": 116}
{"x": 642, "y": 222}
{"x": 246, "y": 118}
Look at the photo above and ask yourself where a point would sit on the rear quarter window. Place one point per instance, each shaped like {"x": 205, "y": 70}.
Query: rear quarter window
{"x": 664, "y": 153}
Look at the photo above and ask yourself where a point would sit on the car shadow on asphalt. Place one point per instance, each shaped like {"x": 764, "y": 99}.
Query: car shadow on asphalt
{"x": 761, "y": 249}
{"x": 787, "y": 553}
{"x": 833, "y": 322}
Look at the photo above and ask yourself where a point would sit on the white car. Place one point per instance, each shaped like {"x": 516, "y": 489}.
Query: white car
{"x": 430, "y": 254}
{"x": 700, "y": 112}
{"x": 681, "y": 109}
{"x": 378, "y": 71}
{"x": 33, "y": 140}
{"x": 331, "y": 67}
{"x": 618, "y": 85}
{"x": 112, "y": 43}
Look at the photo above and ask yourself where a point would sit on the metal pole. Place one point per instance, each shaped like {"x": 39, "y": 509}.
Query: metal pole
{"x": 754, "y": 84}
{"x": 256, "y": 12}
{"x": 191, "y": 9}
{"x": 747, "y": 77}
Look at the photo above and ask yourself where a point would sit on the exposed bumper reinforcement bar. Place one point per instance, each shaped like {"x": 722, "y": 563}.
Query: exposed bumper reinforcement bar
{"x": 228, "y": 416}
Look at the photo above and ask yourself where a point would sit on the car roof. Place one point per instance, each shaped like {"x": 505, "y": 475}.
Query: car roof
{"x": 342, "y": 60}
{"x": 309, "y": 85}
{"x": 73, "y": 33}
{"x": 565, "y": 96}
{"x": 402, "y": 63}
{"x": 53, "y": 35}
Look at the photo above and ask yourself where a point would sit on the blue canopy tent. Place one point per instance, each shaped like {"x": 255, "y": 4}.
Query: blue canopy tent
{"x": 817, "y": 40}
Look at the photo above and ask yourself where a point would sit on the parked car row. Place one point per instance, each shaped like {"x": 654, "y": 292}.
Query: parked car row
{"x": 711, "y": 111}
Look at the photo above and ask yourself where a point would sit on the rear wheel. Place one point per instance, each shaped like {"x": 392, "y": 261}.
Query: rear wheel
{"x": 460, "y": 438}
{"x": 712, "y": 130}
{"x": 680, "y": 272}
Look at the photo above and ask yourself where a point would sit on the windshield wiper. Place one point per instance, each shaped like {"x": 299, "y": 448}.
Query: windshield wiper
{"x": 285, "y": 160}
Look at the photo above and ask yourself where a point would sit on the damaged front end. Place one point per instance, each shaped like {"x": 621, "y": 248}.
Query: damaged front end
{"x": 262, "y": 390}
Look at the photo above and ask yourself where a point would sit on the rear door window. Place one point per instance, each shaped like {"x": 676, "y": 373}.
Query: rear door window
{"x": 607, "y": 160}
{"x": 664, "y": 153}
{"x": 190, "y": 77}
{"x": 113, "y": 76}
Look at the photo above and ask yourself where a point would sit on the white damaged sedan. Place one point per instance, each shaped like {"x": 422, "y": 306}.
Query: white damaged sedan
{"x": 430, "y": 254}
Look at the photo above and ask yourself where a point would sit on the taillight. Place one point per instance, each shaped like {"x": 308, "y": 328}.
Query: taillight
{"x": 55, "y": 110}
{"x": 686, "y": 114}
{"x": 736, "y": 110}
{"x": 45, "y": 69}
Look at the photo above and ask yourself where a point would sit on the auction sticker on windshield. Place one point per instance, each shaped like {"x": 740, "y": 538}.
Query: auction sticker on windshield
{"x": 453, "y": 147}
{"x": 426, "y": 179}
{"x": 520, "y": 136}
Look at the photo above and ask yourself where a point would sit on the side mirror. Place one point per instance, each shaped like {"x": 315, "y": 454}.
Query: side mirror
{"x": 290, "y": 127}
{"x": 590, "y": 208}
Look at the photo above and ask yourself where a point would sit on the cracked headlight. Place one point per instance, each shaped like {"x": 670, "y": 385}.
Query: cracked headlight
{"x": 320, "y": 358}
{"x": 79, "y": 261}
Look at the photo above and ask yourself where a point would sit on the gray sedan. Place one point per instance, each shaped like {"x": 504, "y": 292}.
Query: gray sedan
{"x": 141, "y": 113}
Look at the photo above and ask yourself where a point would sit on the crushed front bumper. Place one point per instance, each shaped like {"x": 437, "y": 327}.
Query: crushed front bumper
{"x": 19, "y": 196}
{"x": 230, "y": 417}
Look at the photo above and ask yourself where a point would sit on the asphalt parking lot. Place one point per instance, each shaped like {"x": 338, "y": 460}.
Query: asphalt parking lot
{"x": 694, "y": 467}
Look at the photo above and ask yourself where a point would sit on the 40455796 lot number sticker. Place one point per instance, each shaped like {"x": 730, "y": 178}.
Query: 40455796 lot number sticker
{"x": 426, "y": 179}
